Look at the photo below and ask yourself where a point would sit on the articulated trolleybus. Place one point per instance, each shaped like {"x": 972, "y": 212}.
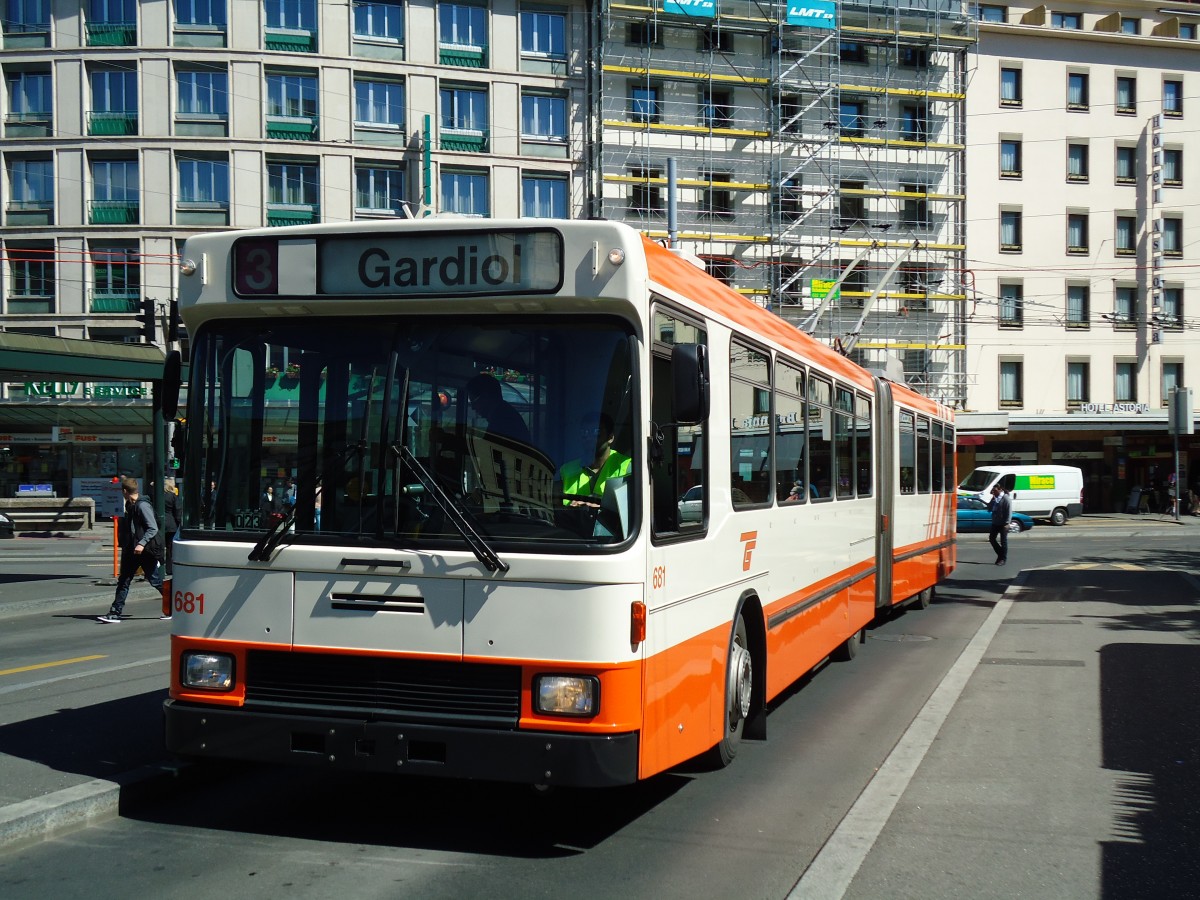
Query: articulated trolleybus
{"x": 548, "y": 503}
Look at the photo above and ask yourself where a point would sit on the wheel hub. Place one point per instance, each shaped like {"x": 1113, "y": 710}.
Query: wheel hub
{"x": 741, "y": 672}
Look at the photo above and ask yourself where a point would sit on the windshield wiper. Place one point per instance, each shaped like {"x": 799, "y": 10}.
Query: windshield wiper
{"x": 475, "y": 541}
{"x": 262, "y": 550}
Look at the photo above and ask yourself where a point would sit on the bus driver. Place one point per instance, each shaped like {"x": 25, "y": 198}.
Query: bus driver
{"x": 585, "y": 478}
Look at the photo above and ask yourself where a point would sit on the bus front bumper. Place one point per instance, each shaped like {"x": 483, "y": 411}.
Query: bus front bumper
{"x": 577, "y": 760}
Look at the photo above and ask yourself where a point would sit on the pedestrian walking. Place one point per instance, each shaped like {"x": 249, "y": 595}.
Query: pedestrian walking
{"x": 141, "y": 547}
{"x": 1001, "y": 507}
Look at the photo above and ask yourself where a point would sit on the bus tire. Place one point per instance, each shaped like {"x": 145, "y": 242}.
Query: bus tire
{"x": 739, "y": 687}
{"x": 1058, "y": 517}
{"x": 924, "y": 598}
{"x": 848, "y": 649}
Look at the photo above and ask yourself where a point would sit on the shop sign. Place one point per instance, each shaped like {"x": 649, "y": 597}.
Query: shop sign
{"x": 1079, "y": 454}
{"x": 85, "y": 390}
{"x": 1005, "y": 456}
{"x": 1104, "y": 409}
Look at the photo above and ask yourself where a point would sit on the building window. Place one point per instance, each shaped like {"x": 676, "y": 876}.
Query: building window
{"x": 1126, "y": 95}
{"x": 1130, "y": 25}
{"x": 464, "y": 118}
{"x": 462, "y": 35}
{"x": 544, "y": 117}
{"x": 1172, "y": 379}
{"x": 1078, "y": 383}
{"x": 543, "y": 33}
{"x": 203, "y": 182}
{"x": 379, "y": 104}
{"x": 1078, "y": 306}
{"x": 716, "y": 108}
{"x": 1126, "y": 235}
{"x": 465, "y": 192}
{"x": 293, "y": 192}
{"x": 379, "y": 20}
{"x": 645, "y": 193}
{"x": 291, "y": 106}
{"x": 986, "y": 12}
{"x": 207, "y": 14}
{"x": 1172, "y": 236}
{"x": 1125, "y": 382}
{"x": 114, "y": 101}
{"x": 1172, "y": 100}
{"x": 26, "y": 16}
{"x": 111, "y": 23}
{"x": 1172, "y": 167}
{"x": 1070, "y": 21}
{"x": 1010, "y": 230}
{"x": 1126, "y": 165}
{"x": 116, "y": 278}
{"x": 1011, "y": 387}
{"x": 1010, "y": 87}
{"x": 1077, "y": 91}
{"x": 30, "y": 97}
{"x": 644, "y": 102}
{"x": 716, "y": 199}
{"x": 379, "y": 190}
{"x": 643, "y": 34}
{"x": 1010, "y": 158}
{"x": 1077, "y": 233}
{"x": 31, "y": 279}
{"x": 715, "y": 40}
{"x": 291, "y": 15}
{"x": 914, "y": 123}
{"x": 1187, "y": 31}
{"x": 1124, "y": 315}
{"x": 791, "y": 200}
{"x": 544, "y": 197}
{"x": 202, "y": 94}
{"x": 114, "y": 192}
{"x": 1171, "y": 311}
{"x": 852, "y": 205}
{"x": 30, "y": 184}
{"x": 916, "y": 208}
{"x": 1012, "y": 305}
{"x": 853, "y": 52}
{"x": 1077, "y": 162}
{"x": 913, "y": 57}
{"x": 852, "y": 117}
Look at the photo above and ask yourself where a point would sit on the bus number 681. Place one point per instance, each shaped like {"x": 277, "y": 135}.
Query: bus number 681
{"x": 189, "y": 602}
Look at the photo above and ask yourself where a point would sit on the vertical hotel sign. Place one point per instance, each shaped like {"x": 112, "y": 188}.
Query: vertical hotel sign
{"x": 697, "y": 9}
{"x": 812, "y": 13}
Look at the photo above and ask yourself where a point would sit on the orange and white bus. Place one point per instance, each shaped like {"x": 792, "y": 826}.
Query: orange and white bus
{"x": 550, "y": 504}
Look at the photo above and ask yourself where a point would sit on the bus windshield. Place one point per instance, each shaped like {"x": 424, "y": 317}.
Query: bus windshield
{"x": 366, "y": 430}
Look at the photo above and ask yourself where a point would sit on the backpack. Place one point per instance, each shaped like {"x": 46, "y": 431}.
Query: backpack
{"x": 154, "y": 546}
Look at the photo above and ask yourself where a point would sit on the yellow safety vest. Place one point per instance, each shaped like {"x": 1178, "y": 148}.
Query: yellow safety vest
{"x": 580, "y": 482}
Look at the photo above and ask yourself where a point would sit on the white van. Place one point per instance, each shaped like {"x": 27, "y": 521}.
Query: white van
{"x": 1043, "y": 492}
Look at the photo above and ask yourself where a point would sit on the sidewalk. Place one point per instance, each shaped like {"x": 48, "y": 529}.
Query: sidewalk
{"x": 1059, "y": 758}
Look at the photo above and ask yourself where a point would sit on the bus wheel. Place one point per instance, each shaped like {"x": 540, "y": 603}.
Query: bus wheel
{"x": 924, "y": 599}
{"x": 848, "y": 649}
{"x": 739, "y": 684}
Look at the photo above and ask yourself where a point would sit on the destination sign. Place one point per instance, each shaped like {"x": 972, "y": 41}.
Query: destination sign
{"x": 443, "y": 262}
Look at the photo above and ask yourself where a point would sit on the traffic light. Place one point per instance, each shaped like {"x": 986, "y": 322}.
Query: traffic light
{"x": 146, "y": 317}
{"x": 173, "y": 322}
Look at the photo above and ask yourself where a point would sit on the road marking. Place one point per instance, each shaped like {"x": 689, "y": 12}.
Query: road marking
{"x": 88, "y": 674}
{"x": 835, "y": 866}
{"x": 48, "y": 665}
{"x": 1129, "y": 567}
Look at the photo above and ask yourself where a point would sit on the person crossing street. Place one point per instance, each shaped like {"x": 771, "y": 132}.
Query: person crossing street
{"x": 141, "y": 548}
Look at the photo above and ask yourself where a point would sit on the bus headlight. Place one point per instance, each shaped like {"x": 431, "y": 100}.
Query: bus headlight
{"x": 207, "y": 671}
{"x": 566, "y": 695}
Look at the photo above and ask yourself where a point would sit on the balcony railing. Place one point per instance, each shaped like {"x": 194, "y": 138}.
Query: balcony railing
{"x": 291, "y": 41}
{"x": 105, "y": 301}
{"x": 113, "y": 212}
{"x": 120, "y": 123}
{"x": 293, "y": 215}
{"x": 297, "y": 129}
{"x": 112, "y": 34}
{"x": 463, "y": 56}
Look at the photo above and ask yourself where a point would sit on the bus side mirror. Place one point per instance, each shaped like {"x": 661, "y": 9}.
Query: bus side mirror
{"x": 172, "y": 371}
{"x": 689, "y": 367}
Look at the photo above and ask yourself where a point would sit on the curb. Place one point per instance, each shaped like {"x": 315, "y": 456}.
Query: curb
{"x": 137, "y": 593}
{"x": 31, "y": 821}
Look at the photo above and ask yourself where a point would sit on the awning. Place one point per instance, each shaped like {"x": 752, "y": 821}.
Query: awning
{"x": 29, "y": 357}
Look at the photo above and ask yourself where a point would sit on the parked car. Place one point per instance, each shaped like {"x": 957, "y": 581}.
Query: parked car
{"x": 691, "y": 504}
{"x": 7, "y": 527}
{"x": 973, "y": 515}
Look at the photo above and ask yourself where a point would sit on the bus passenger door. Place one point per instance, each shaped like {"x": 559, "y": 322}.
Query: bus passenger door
{"x": 885, "y": 435}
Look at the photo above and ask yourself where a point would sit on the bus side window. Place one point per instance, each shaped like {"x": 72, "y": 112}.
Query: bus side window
{"x": 679, "y": 465}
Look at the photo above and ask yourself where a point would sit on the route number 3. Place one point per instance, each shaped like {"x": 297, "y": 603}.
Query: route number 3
{"x": 189, "y": 603}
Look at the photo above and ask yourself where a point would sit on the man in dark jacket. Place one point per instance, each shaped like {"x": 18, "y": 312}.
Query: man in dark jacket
{"x": 140, "y": 549}
{"x": 1001, "y": 507}
{"x": 171, "y": 520}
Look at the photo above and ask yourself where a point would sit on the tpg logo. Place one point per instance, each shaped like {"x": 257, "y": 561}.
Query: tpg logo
{"x": 813, "y": 13}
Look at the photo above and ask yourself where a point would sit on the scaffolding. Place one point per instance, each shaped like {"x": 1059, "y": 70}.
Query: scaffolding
{"x": 820, "y": 169}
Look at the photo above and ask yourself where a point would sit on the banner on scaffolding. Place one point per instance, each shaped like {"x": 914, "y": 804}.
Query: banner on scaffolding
{"x": 697, "y": 9}
{"x": 812, "y": 13}
{"x": 819, "y": 289}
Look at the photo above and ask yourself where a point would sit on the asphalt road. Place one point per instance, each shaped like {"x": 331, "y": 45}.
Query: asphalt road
{"x": 751, "y": 830}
